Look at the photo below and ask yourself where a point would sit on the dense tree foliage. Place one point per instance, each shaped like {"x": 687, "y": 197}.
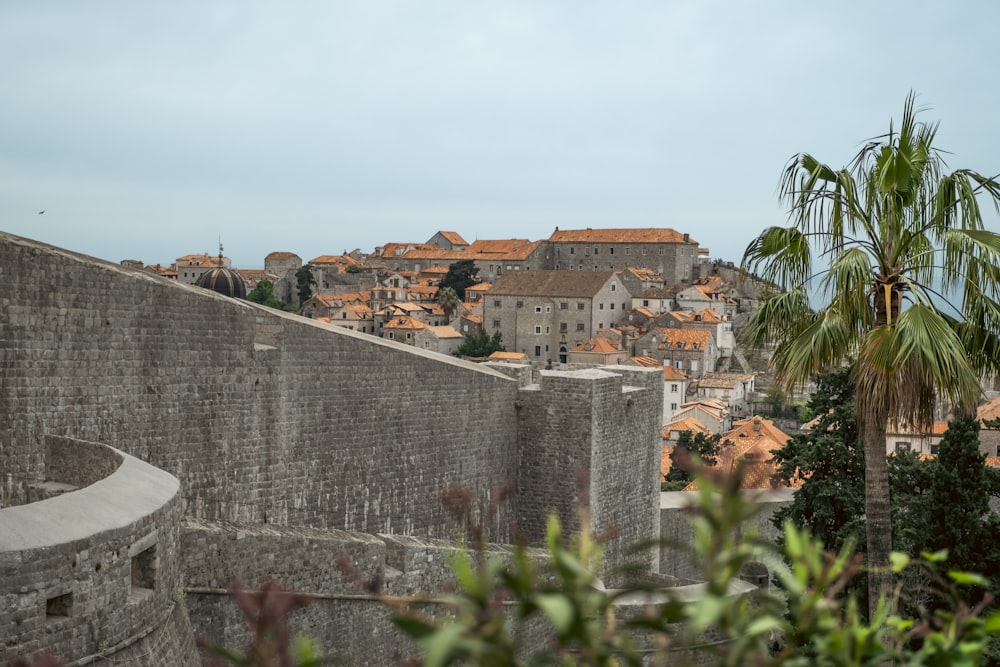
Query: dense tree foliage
{"x": 890, "y": 232}
{"x": 704, "y": 446}
{"x": 461, "y": 274}
{"x": 480, "y": 345}
{"x": 263, "y": 293}
{"x": 305, "y": 281}
{"x": 829, "y": 463}
{"x": 448, "y": 299}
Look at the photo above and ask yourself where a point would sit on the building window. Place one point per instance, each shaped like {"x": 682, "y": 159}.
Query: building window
{"x": 60, "y": 605}
{"x": 674, "y": 388}
{"x": 673, "y": 406}
{"x": 611, "y": 251}
{"x": 520, "y": 304}
{"x": 663, "y": 251}
{"x": 548, "y": 309}
{"x": 538, "y": 350}
{"x": 563, "y": 327}
{"x": 538, "y": 330}
{"x": 934, "y": 449}
{"x": 496, "y": 303}
{"x": 612, "y": 305}
{"x": 409, "y": 336}
{"x": 538, "y": 309}
{"x": 579, "y": 305}
{"x": 614, "y": 287}
{"x": 579, "y": 327}
{"x": 392, "y": 336}
{"x": 628, "y": 251}
{"x": 572, "y": 251}
{"x": 645, "y": 303}
{"x": 596, "y": 268}
{"x": 645, "y": 251}
{"x": 600, "y": 307}
{"x": 902, "y": 446}
{"x": 496, "y": 324}
{"x": 563, "y": 306}
{"x": 623, "y": 305}
{"x": 557, "y": 251}
{"x": 596, "y": 249}
{"x": 546, "y": 329}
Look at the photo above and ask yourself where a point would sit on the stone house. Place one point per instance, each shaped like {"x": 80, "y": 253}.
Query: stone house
{"x": 667, "y": 252}
{"x": 443, "y": 339}
{"x": 707, "y": 293}
{"x": 191, "y": 267}
{"x": 598, "y": 351}
{"x": 354, "y": 316}
{"x": 711, "y": 413}
{"x": 733, "y": 388}
{"x": 492, "y": 258}
{"x": 675, "y": 386}
{"x": 403, "y": 329}
{"x": 693, "y": 351}
{"x": 449, "y": 241}
{"x": 657, "y": 300}
{"x": 284, "y": 265}
{"x": 545, "y": 314}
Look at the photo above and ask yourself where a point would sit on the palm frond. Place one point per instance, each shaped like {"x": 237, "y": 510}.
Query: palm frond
{"x": 780, "y": 255}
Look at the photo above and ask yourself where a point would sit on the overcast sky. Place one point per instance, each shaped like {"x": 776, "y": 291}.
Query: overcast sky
{"x": 150, "y": 130}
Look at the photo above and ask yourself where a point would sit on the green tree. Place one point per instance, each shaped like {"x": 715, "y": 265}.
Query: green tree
{"x": 957, "y": 515}
{"x": 704, "y": 446}
{"x": 448, "y": 299}
{"x": 305, "y": 281}
{"x": 828, "y": 462}
{"x": 892, "y": 228}
{"x": 480, "y": 345}
{"x": 263, "y": 293}
{"x": 461, "y": 274}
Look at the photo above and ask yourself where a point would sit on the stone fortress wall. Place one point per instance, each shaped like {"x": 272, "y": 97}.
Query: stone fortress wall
{"x": 93, "y": 569}
{"x": 297, "y": 442}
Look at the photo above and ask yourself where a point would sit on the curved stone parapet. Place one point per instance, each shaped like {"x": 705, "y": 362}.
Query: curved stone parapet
{"x": 93, "y": 572}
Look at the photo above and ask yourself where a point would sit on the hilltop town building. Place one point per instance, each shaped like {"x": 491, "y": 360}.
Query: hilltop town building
{"x": 545, "y": 314}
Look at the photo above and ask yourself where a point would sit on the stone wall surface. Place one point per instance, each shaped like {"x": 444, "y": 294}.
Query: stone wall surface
{"x": 96, "y": 572}
{"x": 294, "y": 443}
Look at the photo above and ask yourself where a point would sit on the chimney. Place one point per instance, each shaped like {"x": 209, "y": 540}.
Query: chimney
{"x": 687, "y": 237}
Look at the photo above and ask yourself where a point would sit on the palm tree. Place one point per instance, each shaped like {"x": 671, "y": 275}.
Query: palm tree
{"x": 448, "y": 299}
{"x": 910, "y": 281}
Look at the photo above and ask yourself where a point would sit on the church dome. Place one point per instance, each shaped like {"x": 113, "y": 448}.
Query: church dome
{"x": 224, "y": 281}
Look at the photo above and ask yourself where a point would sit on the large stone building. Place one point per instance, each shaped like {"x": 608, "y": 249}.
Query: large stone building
{"x": 545, "y": 314}
{"x": 669, "y": 253}
{"x": 262, "y": 445}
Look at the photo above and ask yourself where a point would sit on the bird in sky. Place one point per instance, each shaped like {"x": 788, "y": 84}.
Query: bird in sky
{"x": 42, "y": 211}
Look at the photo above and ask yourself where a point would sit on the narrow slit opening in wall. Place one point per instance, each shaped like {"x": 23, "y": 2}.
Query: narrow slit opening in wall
{"x": 58, "y": 606}
{"x": 144, "y": 569}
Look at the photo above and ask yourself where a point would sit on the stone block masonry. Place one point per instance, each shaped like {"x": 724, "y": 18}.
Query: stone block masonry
{"x": 275, "y": 422}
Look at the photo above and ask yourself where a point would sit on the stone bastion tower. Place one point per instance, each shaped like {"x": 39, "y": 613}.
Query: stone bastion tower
{"x": 159, "y": 442}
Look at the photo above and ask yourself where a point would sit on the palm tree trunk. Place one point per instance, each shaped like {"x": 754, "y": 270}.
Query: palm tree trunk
{"x": 878, "y": 517}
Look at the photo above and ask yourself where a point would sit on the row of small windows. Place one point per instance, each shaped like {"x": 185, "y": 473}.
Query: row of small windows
{"x": 611, "y": 250}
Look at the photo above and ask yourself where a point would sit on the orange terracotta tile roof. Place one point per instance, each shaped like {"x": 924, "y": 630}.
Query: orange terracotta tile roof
{"x": 751, "y": 443}
{"x": 453, "y": 238}
{"x": 707, "y": 315}
{"x": 508, "y": 248}
{"x": 644, "y": 274}
{"x": 685, "y": 424}
{"x": 600, "y": 345}
{"x": 625, "y": 235}
{"x": 645, "y": 311}
{"x": 672, "y": 374}
{"x": 281, "y": 255}
{"x": 989, "y": 410}
{"x": 445, "y": 332}
{"x": 479, "y": 287}
{"x": 404, "y": 322}
{"x": 722, "y": 380}
{"x": 508, "y": 356}
{"x": 475, "y": 319}
{"x": 645, "y": 362}
{"x": 552, "y": 283}
{"x": 687, "y": 338}
{"x": 360, "y": 311}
